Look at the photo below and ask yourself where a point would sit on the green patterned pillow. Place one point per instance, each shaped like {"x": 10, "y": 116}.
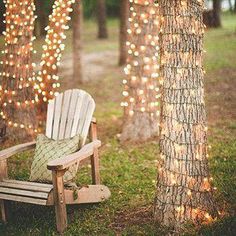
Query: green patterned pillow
{"x": 48, "y": 150}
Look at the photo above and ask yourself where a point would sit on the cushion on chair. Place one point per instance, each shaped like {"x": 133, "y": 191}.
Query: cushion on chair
{"x": 49, "y": 149}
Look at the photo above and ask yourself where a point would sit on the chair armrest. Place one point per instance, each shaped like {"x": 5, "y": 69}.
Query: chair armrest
{"x": 4, "y": 154}
{"x": 65, "y": 162}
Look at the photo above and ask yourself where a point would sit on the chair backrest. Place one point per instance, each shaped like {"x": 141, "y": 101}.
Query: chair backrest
{"x": 69, "y": 114}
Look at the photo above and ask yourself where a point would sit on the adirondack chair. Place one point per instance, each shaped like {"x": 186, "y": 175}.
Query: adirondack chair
{"x": 69, "y": 114}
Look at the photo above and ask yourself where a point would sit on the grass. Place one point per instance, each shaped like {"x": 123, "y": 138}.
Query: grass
{"x": 130, "y": 171}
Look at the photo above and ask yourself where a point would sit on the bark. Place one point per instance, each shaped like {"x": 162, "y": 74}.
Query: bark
{"x": 124, "y": 15}
{"x": 183, "y": 191}
{"x": 141, "y": 92}
{"x": 216, "y": 13}
{"x": 52, "y": 51}
{"x": 2, "y": 11}
{"x": 235, "y": 6}
{"x": 77, "y": 22}
{"x": 42, "y": 17}
{"x": 17, "y": 91}
{"x": 102, "y": 19}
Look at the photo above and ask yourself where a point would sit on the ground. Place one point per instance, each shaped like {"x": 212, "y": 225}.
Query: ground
{"x": 130, "y": 170}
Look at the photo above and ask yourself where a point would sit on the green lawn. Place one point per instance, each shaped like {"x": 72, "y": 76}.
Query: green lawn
{"x": 130, "y": 171}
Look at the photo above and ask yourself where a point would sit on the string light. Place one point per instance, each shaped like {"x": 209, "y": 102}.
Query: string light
{"x": 18, "y": 79}
{"x": 184, "y": 185}
{"x": 48, "y": 79}
{"x": 141, "y": 87}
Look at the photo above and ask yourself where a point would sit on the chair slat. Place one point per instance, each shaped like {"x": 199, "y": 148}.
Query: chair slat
{"x": 71, "y": 113}
{"x": 50, "y": 116}
{"x": 41, "y": 185}
{"x": 23, "y": 199}
{"x": 57, "y": 116}
{"x": 25, "y": 187}
{"x": 64, "y": 115}
{"x": 87, "y": 120}
{"x": 77, "y": 115}
{"x": 26, "y": 193}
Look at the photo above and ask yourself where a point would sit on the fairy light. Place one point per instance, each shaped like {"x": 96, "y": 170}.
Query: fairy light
{"x": 48, "y": 80}
{"x": 184, "y": 186}
{"x": 141, "y": 87}
{"x": 18, "y": 79}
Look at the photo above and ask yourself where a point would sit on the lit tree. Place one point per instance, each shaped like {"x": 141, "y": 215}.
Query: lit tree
{"x": 48, "y": 76}
{"x": 141, "y": 88}
{"x": 184, "y": 192}
{"x": 77, "y": 22}
{"x": 18, "y": 80}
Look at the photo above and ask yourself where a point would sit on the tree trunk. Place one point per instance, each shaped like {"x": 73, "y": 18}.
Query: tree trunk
{"x": 235, "y": 6}
{"x": 52, "y": 51}
{"x": 42, "y": 17}
{"x": 216, "y": 13}
{"x": 183, "y": 187}
{"x": 230, "y": 6}
{"x": 77, "y": 22}
{"x": 124, "y": 15}
{"x": 102, "y": 19}
{"x": 18, "y": 79}
{"x": 2, "y": 11}
{"x": 141, "y": 90}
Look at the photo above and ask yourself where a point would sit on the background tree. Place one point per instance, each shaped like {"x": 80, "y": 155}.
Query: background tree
{"x": 141, "y": 90}
{"x": 42, "y": 20}
{"x": 183, "y": 189}
{"x": 124, "y": 15}
{"x": 2, "y": 12}
{"x": 102, "y": 19}
{"x": 216, "y": 13}
{"x": 18, "y": 80}
{"x": 77, "y": 22}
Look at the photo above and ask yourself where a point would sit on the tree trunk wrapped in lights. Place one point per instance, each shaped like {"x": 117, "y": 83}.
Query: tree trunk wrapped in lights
{"x": 18, "y": 79}
{"x": 141, "y": 88}
{"x": 184, "y": 192}
{"x": 48, "y": 76}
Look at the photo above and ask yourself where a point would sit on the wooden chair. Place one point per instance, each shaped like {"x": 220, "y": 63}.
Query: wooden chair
{"x": 69, "y": 114}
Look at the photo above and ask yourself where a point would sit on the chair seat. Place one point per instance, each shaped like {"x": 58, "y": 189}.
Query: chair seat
{"x": 42, "y": 194}
{"x": 23, "y": 191}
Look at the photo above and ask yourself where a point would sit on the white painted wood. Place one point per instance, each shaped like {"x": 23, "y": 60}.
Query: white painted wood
{"x": 57, "y": 116}
{"x": 64, "y": 114}
{"x": 50, "y": 116}
{"x": 69, "y": 114}
{"x": 87, "y": 120}
{"x": 77, "y": 113}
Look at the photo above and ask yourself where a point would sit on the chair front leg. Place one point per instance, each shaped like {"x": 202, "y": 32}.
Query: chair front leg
{"x": 3, "y": 175}
{"x": 95, "y": 167}
{"x": 59, "y": 200}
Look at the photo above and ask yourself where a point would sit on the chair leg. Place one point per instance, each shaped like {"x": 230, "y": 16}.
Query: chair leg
{"x": 95, "y": 167}
{"x": 59, "y": 200}
{"x": 3, "y": 211}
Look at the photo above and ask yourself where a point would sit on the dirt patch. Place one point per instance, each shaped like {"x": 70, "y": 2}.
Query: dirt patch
{"x": 138, "y": 216}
